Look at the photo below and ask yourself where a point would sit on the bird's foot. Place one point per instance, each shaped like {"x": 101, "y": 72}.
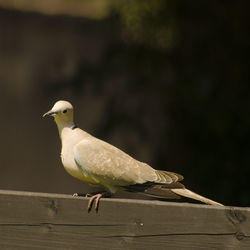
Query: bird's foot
{"x": 79, "y": 194}
{"x": 97, "y": 198}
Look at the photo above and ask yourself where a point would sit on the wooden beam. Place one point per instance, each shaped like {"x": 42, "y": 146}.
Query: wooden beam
{"x": 52, "y": 221}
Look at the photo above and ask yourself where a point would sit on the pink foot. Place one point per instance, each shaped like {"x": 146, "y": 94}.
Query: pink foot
{"x": 97, "y": 198}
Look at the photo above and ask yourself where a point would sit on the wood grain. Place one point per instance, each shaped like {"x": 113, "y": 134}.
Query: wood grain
{"x": 51, "y": 221}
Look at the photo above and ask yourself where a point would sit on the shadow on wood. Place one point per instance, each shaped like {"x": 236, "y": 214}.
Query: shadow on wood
{"x": 52, "y": 221}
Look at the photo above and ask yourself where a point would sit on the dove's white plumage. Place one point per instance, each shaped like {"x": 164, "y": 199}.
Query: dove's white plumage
{"x": 97, "y": 162}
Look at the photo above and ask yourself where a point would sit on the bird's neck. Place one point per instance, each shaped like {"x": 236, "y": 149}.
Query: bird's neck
{"x": 61, "y": 125}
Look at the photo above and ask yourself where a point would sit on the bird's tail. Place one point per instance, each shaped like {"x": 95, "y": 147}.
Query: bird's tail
{"x": 189, "y": 194}
{"x": 170, "y": 191}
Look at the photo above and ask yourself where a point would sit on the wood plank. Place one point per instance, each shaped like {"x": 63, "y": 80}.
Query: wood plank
{"x": 51, "y": 221}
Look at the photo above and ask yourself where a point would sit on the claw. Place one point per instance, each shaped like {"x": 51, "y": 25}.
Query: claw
{"x": 95, "y": 197}
{"x": 78, "y": 194}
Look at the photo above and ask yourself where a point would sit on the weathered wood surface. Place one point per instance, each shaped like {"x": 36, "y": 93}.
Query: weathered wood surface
{"x": 52, "y": 221}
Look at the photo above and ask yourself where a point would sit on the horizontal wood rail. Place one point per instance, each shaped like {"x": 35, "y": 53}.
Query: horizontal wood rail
{"x": 53, "y": 221}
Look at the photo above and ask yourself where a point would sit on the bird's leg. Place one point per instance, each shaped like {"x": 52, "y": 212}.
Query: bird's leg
{"x": 97, "y": 198}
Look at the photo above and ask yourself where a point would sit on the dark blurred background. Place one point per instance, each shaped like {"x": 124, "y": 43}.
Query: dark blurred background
{"x": 165, "y": 81}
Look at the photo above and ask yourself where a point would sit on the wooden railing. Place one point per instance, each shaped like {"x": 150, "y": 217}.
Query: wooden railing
{"x": 52, "y": 221}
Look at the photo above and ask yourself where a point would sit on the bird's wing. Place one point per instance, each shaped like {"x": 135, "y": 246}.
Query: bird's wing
{"x": 108, "y": 164}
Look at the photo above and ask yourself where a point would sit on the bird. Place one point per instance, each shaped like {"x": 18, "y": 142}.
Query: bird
{"x": 97, "y": 162}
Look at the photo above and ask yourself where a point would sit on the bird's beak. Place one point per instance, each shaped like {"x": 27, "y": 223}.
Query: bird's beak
{"x": 49, "y": 113}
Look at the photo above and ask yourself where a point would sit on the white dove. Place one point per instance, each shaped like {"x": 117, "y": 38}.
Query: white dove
{"x": 97, "y": 162}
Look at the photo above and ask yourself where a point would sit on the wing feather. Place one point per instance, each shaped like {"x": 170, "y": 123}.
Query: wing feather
{"x": 110, "y": 165}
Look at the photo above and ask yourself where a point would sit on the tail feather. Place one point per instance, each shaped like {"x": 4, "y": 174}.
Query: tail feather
{"x": 168, "y": 191}
{"x": 189, "y": 194}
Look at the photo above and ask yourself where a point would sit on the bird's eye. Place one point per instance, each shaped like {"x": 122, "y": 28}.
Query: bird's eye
{"x": 65, "y": 111}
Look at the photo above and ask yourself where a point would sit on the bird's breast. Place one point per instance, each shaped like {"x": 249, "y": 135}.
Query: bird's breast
{"x": 73, "y": 169}
{"x": 70, "y": 165}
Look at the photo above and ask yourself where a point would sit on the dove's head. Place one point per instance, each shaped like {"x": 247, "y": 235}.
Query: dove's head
{"x": 62, "y": 111}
